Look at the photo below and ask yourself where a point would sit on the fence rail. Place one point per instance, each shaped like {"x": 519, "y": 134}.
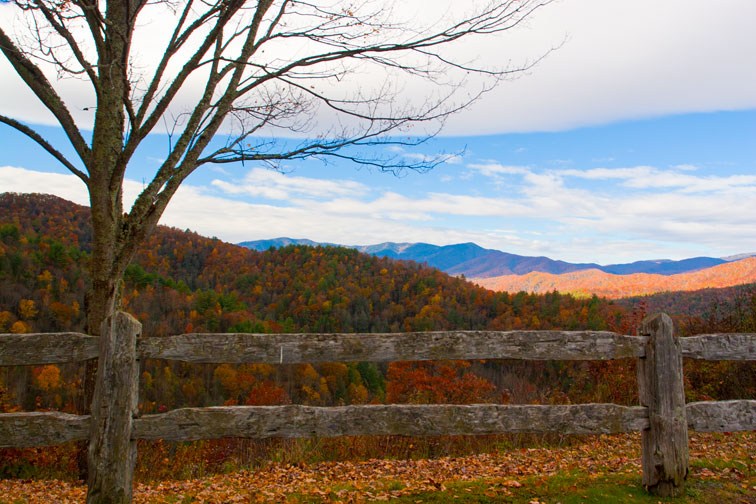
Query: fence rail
{"x": 42, "y": 428}
{"x": 733, "y": 346}
{"x": 113, "y": 428}
{"x": 57, "y": 348}
{"x": 296, "y": 421}
{"x": 46, "y": 348}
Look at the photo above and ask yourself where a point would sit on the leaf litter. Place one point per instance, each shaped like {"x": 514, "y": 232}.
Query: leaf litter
{"x": 378, "y": 480}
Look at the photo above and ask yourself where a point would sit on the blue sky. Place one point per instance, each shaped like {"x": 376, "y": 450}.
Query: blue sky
{"x": 675, "y": 186}
{"x": 635, "y": 140}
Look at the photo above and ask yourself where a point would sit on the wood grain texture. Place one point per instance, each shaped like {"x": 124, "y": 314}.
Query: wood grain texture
{"x": 445, "y": 345}
{"x": 46, "y": 348}
{"x": 112, "y": 451}
{"x": 50, "y": 428}
{"x": 297, "y": 421}
{"x": 664, "y": 445}
{"x": 722, "y": 416}
{"x": 37, "y": 428}
{"x": 734, "y": 346}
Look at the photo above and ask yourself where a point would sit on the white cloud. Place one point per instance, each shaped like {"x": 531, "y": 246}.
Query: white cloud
{"x": 685, "y": 167}
{"x": 16, "y": 179}
{"x": 219, "y": 169}
{"x": 647, "y": 177}
{"x": 493, "y": 169}
{"x": 609, "y": 173}
{"x": 621, "y": 60}
{"x": 279, "y": 186}
{"x": 434, "y": 159}
{"x": 691, "y": 184}
{"x": 547, "y": 216}
{"x": 424, "y": 158}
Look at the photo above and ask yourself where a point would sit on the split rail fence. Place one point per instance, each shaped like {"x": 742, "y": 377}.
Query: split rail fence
{"x": 114, "y": 425}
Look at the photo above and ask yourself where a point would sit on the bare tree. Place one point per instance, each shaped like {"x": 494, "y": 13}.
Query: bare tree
{"x": 230, "y": 75}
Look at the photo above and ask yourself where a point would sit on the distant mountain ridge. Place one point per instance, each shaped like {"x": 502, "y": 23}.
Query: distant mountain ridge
{"x": 472, "y": 260}
{"x": 612, "y": 286}
{"x": 262, "y": 245}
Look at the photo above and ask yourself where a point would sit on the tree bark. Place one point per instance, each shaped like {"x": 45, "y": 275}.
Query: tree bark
{"x": 100, "y": 303}
{"x": 106, "y": 169}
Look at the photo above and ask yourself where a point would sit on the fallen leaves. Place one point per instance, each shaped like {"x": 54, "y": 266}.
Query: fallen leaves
{"x": 382, "y": 480}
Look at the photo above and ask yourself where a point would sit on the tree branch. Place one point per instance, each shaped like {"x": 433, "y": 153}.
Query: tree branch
{"x": 70, "y": 40}
{"x": 176, "y": 42}
{"x": 93, "y": 17}
{"x": 40, "y": 86}
{"x": 45, "y": 145}
{"x": 176, "y": 84}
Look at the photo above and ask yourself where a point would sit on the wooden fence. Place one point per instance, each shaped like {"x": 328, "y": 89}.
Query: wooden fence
{"x": 663, "y": 417}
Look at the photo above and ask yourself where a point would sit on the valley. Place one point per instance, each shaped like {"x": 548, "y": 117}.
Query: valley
{"x": 502, "y": 271}
{"x": 182, "y": 282}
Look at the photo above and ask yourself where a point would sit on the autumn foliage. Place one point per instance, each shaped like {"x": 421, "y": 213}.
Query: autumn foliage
{"x": 593, "y": 281}
{"x": 183, "y": 282}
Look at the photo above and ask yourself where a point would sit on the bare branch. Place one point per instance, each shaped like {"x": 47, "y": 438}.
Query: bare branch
{"x": 40, "y": 86}
{"x": 145, "y": 126}
{"x": 93, "y": 17}
{"x": 45, "y": 145}
{"x": 151, "y": 203}
{"x": 176, "y": 42}
{"x": 56, "y": 21}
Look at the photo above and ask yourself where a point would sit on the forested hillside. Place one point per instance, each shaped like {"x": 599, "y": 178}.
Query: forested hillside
{"x": 728, "y": 309}
{"x": 590, "y": 282}
{"x": 184, "y": 282}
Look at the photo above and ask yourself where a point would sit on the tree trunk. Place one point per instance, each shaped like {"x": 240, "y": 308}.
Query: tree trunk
{"x": 100, "y": 302}
{"x": 106, "y": 170}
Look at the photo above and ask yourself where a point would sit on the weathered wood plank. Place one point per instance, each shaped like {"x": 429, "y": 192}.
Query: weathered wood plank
{"x": 112, "y": 451}
{"x": 722, "y": 416}
{"x": 26, "y": 429}
{"x": 46, "y": 348}
{"x": 50, "y": 428}
{"x": 664, "y": 445}
{"x": 292, "y": 421}
{"x": 446, "y": 345}
{"x": 735, "y": 346}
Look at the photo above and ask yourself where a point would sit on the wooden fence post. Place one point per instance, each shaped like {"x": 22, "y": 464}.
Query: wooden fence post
{"x": 660, "y": 387}
{"x": 112, "y": 453}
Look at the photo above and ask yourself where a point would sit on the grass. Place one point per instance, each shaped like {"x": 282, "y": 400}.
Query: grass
{"x": 582, "y": 488}
{"x": 713, "y": 480}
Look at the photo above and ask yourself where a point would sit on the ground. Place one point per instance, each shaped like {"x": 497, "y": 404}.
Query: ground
{"x": 602, "y": 469}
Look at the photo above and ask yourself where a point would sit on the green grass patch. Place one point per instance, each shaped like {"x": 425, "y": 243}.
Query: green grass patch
{"x": 584, "y": 488}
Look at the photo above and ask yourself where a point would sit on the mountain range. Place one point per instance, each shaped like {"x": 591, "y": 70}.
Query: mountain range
{"x": 474, "y": 261}
{"x": 587, "y": 282}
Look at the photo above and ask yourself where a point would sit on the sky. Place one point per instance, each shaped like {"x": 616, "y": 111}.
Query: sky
{"x": 635, "y": 139}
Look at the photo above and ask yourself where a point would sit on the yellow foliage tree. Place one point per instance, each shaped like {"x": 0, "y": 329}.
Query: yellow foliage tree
{"x": 5, "y": 317}
{"x": 358, "y": 394}
{"x": 227, "y": 376}
{"x": 26, "y": 309}
{"x": 19, "y": 327}
{"x": 47, "y": 377}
